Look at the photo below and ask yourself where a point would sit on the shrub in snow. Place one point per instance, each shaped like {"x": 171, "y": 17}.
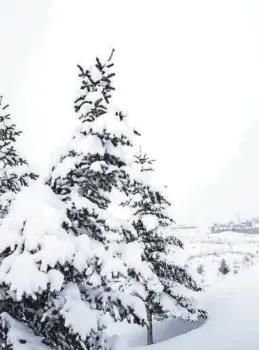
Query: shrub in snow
{"x": 200, "y": 269}
{"x": 153, "y": 224}
{"x": 246, "y": 259}
{"x": 224, "y": 268}
{"x": 14, "y": 171}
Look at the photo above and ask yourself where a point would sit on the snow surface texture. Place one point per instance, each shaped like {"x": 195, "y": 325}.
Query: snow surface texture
{"x": 135, "y": 336}
{"x": 21, "y": 336}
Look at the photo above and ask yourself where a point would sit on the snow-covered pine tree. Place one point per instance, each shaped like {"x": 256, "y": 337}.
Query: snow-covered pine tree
{"x": 90, "y": 177}
{"x": 93, "y": 165}
{"x": 153, "y": 225}
{"x": 14, "y": 170}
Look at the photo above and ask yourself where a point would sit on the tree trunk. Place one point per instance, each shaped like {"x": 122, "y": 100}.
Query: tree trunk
{"x": 149, "y": 327}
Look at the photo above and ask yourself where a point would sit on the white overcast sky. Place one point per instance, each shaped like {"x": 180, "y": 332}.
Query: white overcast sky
{"x": 188, "y": 77}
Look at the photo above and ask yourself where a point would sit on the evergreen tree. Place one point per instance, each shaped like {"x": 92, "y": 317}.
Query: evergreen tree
{"x": 153, "y": 225}
{"x": 14, "y": 171}
{"x": 93, "y": 172}
{"x": 224, "y": 268}
{"x": 200, "y": 269}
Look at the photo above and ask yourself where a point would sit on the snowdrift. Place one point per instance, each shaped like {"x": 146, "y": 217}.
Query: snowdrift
{"x": 233, "y": 322}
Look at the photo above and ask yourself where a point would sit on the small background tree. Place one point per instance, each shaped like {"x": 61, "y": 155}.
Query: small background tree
{"x": 224, "y": 268}
{"x": 14, "y": 170}
{"x": 200, "y": 269}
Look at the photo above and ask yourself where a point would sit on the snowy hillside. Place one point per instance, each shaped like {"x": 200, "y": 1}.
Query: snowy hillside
{"x": 205, "y": 252}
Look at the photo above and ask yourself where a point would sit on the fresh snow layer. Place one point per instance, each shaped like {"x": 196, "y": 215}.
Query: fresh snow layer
{"x": 38, "y": 241}
{"x": 21, "y": 337}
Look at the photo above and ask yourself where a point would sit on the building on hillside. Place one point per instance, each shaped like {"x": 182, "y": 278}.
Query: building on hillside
{"x": 249, "y": 226}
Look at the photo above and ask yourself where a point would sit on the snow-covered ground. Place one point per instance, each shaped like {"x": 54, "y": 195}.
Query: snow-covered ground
{"x": 135, "y": 336}
{"x": 231, "y": 300}
{"x": 233, "y": 306}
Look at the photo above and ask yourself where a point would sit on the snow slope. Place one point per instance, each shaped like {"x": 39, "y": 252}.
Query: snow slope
{"x": 134, "y": 335}
{"x": 233, "y": 305}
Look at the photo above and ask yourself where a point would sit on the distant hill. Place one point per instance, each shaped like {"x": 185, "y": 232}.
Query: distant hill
{"x": 183, "y": 227}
